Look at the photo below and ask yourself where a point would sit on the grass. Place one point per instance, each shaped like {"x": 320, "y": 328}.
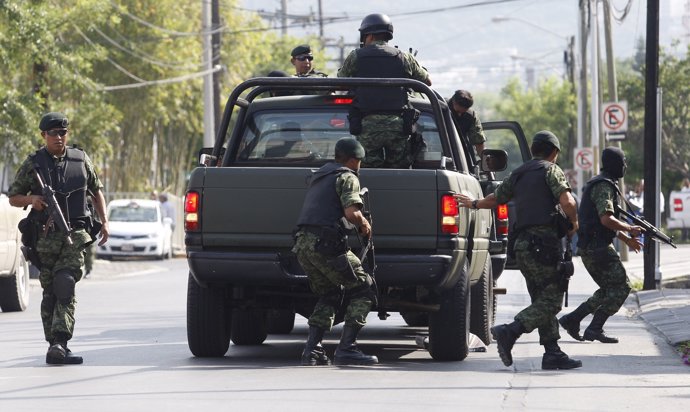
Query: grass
{"x": 637, "y": 285}
{"x": 684, "y": 350}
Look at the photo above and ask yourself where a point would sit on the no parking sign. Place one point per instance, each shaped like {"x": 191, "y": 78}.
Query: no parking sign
{"x": 615, "y": 117}
{"x": 584, "y": 158}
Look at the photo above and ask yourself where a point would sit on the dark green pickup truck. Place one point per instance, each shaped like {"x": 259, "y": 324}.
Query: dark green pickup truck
{"x": 433, "y": 259}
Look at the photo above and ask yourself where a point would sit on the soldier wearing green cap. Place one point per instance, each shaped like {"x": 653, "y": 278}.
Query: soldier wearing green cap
{"x": 71, "y": 174}
{"x": 335, "y": 273}
{"x": 536, "y": 188}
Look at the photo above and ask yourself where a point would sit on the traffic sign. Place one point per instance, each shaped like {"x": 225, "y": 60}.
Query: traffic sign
{"x": 615, "y": 117}
{"x": 584, "y": 158}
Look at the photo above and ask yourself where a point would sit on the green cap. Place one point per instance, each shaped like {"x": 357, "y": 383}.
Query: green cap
{"x": 53, "y": 120}
{"x": 546, "y": 136}
{"x": 301, "y": 49}
{"x": 350, "y": 147}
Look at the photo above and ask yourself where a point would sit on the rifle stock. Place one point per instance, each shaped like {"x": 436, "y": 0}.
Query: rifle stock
{"x": 649, "y": 229}
{"x": 54, "y": 208}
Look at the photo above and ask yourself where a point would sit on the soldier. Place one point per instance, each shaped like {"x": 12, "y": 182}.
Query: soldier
{"x": 71, "y": 174}
{"x": 377, "y": 115}
{"x": 301, "y": 59}
{"x": 466, "y": 119}
{"x": 599, "y": 225}
{"x": 536, "y": 187}
{"x": 335, "y": 273}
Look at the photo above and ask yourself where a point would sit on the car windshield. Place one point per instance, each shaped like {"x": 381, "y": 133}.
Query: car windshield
{"x": 292, "y": 137}
{"x": 132, "y": 212}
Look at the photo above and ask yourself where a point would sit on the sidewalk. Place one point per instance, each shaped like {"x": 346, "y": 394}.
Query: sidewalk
{"x": 666, "y": 309}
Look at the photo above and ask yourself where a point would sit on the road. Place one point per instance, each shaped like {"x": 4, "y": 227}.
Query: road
{"x": 131, "y": 332}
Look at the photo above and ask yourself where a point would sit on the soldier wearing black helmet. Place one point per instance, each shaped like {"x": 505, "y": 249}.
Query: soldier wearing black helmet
{"x": 378, "y": 113}
{"x": 599, "y": 224}
{"x": 536, "y": 187}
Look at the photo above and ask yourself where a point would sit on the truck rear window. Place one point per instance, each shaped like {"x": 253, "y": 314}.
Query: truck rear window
{"x": 302, "y": 138}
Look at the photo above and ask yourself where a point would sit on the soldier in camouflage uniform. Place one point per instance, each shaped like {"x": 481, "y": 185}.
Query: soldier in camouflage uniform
{"x": 599, "y": 225}
{"x": 335, "y": 273}
{"x": 380, "y": 126}
{"x": 71, "y": 174}
{"x": 466, "y": 119}
{"x": 302, "y": 58}
{"x": 536, "y": 187}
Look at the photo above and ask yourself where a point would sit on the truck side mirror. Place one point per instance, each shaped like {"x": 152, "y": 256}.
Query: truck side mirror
{"x": 494, "y": 160}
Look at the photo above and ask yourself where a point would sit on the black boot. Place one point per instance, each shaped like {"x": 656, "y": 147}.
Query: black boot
{"x": 347, "y": 352}
{"x": 571, "y": 321}
{"x": 505, "y": 336}
{"x": 595, "y": 330}
{"x": 555, "y": 358}
{"x": 314, "y": 354}
{"x": 72, "y": 359}
{"x": 60, "y": 354}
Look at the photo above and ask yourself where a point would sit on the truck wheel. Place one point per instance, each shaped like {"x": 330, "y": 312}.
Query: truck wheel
{"x": 248, "y": 327}
{"x": 207, "y": 320}
{"x": 280, "y": 321}
{"x": 14, "y": 290}
{"x": 415, "y": 318}
{"x": 449, "y": 327}
{"x": 482, "y": 305}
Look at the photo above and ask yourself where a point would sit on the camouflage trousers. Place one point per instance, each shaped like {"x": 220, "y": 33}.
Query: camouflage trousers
{"x": 545, "y": 294}
{"x": 326, "y": 282}
{"x": 384, "y": 143}
{"x": 56, "y": 254}
{"x": 605, "y": 267}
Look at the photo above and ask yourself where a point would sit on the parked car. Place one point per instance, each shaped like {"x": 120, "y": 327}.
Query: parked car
{"x": 14, "y": 269}
{"x": 137, "y": 228}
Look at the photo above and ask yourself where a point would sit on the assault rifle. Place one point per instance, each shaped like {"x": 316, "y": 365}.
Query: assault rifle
{"x": 566, "y": 269}
{"x": 649, "y": 229}
{"x": 55, "y": 215}
{"x": 366, "y": 253}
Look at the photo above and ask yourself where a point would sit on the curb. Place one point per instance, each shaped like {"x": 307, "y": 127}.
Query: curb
{"x": 667, "y": 310}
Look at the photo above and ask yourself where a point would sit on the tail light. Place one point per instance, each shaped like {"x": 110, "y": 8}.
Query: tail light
{"x": 342, "y": 100}
{"x": 191, "y": 211}
{"x": 502, "y": 219}
{"x": 677, "y": 205}
{"x": 449, "y": 215}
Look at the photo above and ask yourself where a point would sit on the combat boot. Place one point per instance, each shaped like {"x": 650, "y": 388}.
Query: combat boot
{"x": 72, "y": 359}
{"x": 56, "y": 354}
{"x": 347, "y": 352}
{"x": 555, "y": 358}
{"x": 571, "y": 321}
{"x": 505, "y": 336}
{"x": 314, "y": 354}
{"x": 595, "y": 330}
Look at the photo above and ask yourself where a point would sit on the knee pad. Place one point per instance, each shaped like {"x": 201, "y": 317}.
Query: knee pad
{"x": 63, "y": 285}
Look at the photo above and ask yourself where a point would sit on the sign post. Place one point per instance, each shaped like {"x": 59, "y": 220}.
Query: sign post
{"x": 615, "y": 117}
{"x": 583, "y": 158}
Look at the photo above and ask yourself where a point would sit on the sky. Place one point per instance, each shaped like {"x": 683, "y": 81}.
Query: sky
{"x": 463, "y": 44}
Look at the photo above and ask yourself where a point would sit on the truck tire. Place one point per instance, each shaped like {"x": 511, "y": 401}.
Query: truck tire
{"x": 482, "y": 314}
{"x": 449, "y": 327}
{"x": 248, "y": 327}
{"x": 415, "y": 319}
{"x": 207, "y": 321}
{"x": 14, "y": 290}
{"x": 280, "y": 321}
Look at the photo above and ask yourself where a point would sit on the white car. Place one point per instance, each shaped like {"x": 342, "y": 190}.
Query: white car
{"x": 137, "y": 228}
{"x": 14, "y": 270}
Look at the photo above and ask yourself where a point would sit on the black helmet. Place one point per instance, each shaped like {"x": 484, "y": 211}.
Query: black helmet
{"x": 375, "y": 23}
{"x": 613, "y": 162}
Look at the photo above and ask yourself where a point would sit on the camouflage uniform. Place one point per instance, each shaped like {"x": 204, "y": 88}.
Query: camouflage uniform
{"x": 603, "y": 263}
{"x": 470, "y": 125}
{"x": 382, "y": 136}
{"x": 545, "y": 294}
{"x": 56, "y": 254}
{"x": 323, "y": 279}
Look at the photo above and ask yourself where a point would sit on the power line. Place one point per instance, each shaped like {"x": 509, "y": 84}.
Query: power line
{"x": 177, "y": 79}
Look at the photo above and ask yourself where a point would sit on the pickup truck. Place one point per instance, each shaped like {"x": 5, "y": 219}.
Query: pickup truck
{"x": 679, "y": 210}
{"x": 243, "y": 201}
{"x": 14, "y": 269}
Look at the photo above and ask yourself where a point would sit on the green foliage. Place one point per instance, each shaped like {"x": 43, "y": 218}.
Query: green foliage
{"x": 550, "y": 106}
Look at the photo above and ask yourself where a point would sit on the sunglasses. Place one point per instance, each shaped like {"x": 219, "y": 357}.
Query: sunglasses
{"x": 303, "y": 58}
{"x": 53, "y": 133}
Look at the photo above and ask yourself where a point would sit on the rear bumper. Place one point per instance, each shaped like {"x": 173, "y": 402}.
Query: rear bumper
{"x": 281, "y": 269}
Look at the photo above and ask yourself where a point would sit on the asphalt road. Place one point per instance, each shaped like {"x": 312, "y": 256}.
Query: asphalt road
{"x": 131, "y": 331}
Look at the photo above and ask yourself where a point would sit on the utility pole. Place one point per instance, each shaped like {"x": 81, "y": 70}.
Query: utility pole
{"x": 595, "y": 85}
{"x": 651, "y": 143}
{"x": 283, "y": 17}
{"x": 321, "y": 23}
{"x": 215, "y": 47}
{"x": 582, "y": 88}
{"x": 207, "y": 61}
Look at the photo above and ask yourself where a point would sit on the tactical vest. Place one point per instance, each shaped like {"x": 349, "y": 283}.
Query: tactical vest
{"x": 380, "y": 61}
{"x": 466, "y": 121}
{"x": 534, "y": 202}
{"x": 322, "y": 205}
{"x": 68, "y": 180}
{"x": 591, "y": 230}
